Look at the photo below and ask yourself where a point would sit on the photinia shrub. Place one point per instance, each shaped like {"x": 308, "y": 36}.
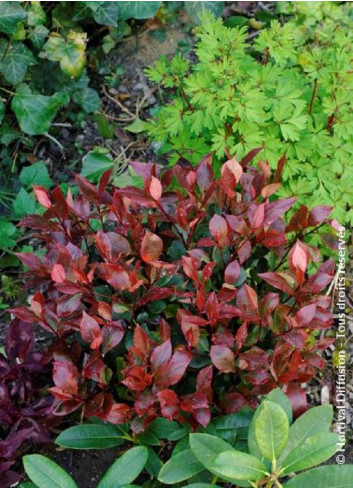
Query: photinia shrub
{"x": 25, "y": 412}
{"x": 178, "y": 303}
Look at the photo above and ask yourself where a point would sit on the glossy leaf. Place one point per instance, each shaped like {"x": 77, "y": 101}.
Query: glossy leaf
{"x": 125, "y": 469}
{"x": 46, "y": 473}
{"x": 271, "y": 430}
{"x": 90, "y": 436}
{"x": 235, "y": 465}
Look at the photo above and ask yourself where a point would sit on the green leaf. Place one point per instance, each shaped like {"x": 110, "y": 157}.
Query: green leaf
{"x": 180, "y": 467}
{"x": 195, "y": 9}
{"x": 36, "y": 15}
{"x": 15, "y": 60}
{"x": 163, "y": 427}
{"x": 11, "y": 13}
{"x": 137, "y": 126}
{"x": 2, "y": 110}
{"x": 35, "y": 112}
{"x": 271, "y": 430}
{"x": 94, "y": 164}
{"x": 24, "y": 204}
{"x": 234, "y": 465}
{"x": 278, "y": 397}
{"x": 126, "y": 468}
{"x": 206, "y": 447}
{"x": 313, "y": 451}
{"x": 69, "y": 52}
{"x": 36, "y": 174}
{"x": 46, "y": 473}
{"x": 90, "y": 436}
{"x": 88, "y": 98}
{"x": 7, "y": 232}
{"x": 324, "y": 476}
{"x": 138, "y": 10}
{"x": 105, "y": 13}
{"x": 315, "y": 420}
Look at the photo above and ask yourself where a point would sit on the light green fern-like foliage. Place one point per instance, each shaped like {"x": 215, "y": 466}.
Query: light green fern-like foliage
{"x": 289, "y": 91}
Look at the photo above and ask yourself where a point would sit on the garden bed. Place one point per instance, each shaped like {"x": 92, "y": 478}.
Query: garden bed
{"x": 129, "y": 359}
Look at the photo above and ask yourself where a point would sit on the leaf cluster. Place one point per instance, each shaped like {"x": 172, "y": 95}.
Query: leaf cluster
{"x": 177, "y": 303}
{"x": 288, "y": 90}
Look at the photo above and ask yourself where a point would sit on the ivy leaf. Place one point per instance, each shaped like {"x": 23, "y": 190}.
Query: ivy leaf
{"x": 195, "y": 9}
{"x": 11, "y": 13}
{"x": 24, "y": 203}
{"x": 36, "y": 174}
{"x": 69, "y": 52}
{"x": 105, "y": 13}
{"x": 15, "y": 60}
{"x": 138, "y": 10}
{"x": 2, "y": 110}
{"x": 35, "y": 112}
{"x": 94, "y": 164}
{"x": 89, "y": 100}
{"x": 7, "y": 233}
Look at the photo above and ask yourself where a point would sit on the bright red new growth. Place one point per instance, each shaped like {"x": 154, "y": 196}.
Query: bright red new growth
{"x": 174, "y": 290}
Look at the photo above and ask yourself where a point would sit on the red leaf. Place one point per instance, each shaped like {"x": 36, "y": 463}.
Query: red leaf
{"x": 278, "y": 281}
{"x": 156, "y": 188}
{"x": 112, "y": 335}
{"x": 173, "y": 371}
{"x": 115, "y": 275}
{"x": 241, "y": 335}
{"x": 155, "y": 294}
{"x": 111, "y": 245}
{"x": 232, "y": 272}
{"x": 318, "y": 214}
{"x": 30, "y": 260}
{"x": 250, "y": 156}
{"x": 190, "y": 268}
{"x": 279, "y": 169}
{"x": 234, "y": 167}
{"x": 305, "y": 315}
{"x": 269, "y": 190}
{"x": 219, "y": 229}
{"x": 141, "y": 343}
{"x": 297, "y": 397}
{"x": 65, "y": 377}
{"x": 161, "y": 355}
{"x": 151, "y": 247}
{"x": 90, "y": 331}
{"x": 233, "y": 402}
{"x": 274, "y": 210}
{"x": 58, "y": 273}
{"x": 170, "y": 404}
{"x": 42, "y": 195}
{"x": 299, "y": 257}
{"x": 19, "y": 340}
{"x": 257, "y": 218}
{"x": 223, "y": 358}
{"x": 204, "y": 174}
{"x": 119, "y": 413}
